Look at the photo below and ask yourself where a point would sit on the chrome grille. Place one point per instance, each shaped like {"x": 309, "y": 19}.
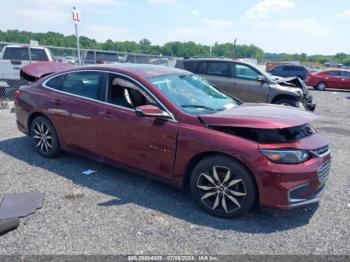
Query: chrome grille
{"x": 323, "y": 171}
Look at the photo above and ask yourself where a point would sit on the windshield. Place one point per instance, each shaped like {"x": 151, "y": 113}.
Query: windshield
{"x": 192, "y": 94}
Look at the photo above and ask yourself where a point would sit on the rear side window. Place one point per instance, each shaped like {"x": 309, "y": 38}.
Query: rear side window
{"x": 105, "y": 56}
{"x": 276, "y": 69}
{"x": 38, "y": 54}
{"x": 90, "y": 56}
{"x": 217, "y": 69}
{"x": 244, "y": 72}
{"x": 55, "y": 82}
{"x": 86, "y": 84}
{"x": 193, "y": 66}
{"x": 16, "y": 53}
{"x": 293, "y": 68}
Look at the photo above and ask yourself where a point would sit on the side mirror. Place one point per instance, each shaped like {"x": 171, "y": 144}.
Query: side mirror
{"x": 151, "y": 111}
{"x": 261, "y": 78}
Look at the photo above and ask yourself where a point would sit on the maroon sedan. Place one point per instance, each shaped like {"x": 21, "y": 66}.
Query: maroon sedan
{"x": 174, "y": 126}
{"x": 333, "y": 78}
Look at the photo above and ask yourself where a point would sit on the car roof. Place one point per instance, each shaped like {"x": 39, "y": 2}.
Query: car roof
{"x": 335, "y": 69}
{"x": 214, "y": 59}
{"x": 143, "y": 70}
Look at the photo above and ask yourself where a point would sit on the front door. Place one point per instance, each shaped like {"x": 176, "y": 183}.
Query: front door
{"x": 345, "y": 79}
{"x": 146, "y": 143}
{"x": 248, "y": 87}
{"x": 334, "y": 79}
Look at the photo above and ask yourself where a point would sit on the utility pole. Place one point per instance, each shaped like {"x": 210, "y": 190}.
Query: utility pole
{"x": 234, "y": 48}
{"x": 76, "y": 21}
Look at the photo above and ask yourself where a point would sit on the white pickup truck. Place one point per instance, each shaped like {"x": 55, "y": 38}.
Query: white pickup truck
{"x": 12, "y": 58}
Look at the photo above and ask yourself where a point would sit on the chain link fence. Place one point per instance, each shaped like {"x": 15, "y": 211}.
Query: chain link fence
{"x": 14, "y": 56}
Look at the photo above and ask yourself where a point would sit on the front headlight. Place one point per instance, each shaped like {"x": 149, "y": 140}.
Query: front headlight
{"x": 286, "y": 156}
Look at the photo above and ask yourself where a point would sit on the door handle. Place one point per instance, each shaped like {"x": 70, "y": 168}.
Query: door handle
{"x": 106, "y": 114}
{"x": 56, "y": 101}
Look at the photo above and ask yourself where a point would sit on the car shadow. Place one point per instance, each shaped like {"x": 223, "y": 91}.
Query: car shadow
{"x": 126, "y": 188}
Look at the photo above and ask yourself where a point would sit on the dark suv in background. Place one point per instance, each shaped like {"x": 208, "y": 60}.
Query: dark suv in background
{"x": 290, "y": 71}
{"x": 248, "y": 83}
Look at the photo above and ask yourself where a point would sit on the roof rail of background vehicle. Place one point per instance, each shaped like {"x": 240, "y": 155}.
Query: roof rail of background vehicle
{"x": 24, "y": 45}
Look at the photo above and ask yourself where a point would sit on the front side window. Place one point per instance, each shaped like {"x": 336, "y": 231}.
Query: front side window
{"x": 217, "y": 69}
{"x": 87, "y": 84}
{"x": 122, "y": 92}
{"x": 244, "y": 72}
{"x": 334, "y": 73}
{"x": 276, "y": 69}
{"x": 192, "y": 94}
{"x": 346, "y": 74}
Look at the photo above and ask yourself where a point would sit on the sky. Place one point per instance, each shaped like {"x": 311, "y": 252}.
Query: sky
{"x": 290, "y": 26}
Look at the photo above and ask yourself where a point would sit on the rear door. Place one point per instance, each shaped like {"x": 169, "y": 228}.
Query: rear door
{"x": 217, "y": 73}
{"x": 73, "y": 103}
{"x": 246, "y": 84}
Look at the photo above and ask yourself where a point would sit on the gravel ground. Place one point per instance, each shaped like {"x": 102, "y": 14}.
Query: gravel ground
{"x": 115, "y": 212}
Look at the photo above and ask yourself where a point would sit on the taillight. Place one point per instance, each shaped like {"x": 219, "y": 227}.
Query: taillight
{"x": 307, "y": 77}
{"x": 17, "y": 94}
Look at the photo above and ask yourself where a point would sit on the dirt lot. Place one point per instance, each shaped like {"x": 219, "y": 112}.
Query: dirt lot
{"x": 114, "y": 212}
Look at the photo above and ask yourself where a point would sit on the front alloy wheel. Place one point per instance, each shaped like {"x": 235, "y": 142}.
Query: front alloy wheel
{"x": 223, "y": 187}
{"x": 221, "y": 193}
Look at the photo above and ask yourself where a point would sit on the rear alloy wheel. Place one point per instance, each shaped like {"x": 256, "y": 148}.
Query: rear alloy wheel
{"x": 321, "y": 86}
{"x": 44, "y": 137}
{"x": 222, "y": 187}
{"x": 286, "y": 102}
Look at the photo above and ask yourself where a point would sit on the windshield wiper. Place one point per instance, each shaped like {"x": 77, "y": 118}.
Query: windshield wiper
{"x": 204, "y": 107}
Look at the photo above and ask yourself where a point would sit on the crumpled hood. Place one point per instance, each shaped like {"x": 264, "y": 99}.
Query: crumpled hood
{"x": 264, "y": 116}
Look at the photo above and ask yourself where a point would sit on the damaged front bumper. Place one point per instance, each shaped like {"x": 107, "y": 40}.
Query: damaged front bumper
{"x": 306, "y": 98}
{"x": 307, "y": 101}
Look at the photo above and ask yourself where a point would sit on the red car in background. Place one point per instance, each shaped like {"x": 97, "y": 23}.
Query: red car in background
{"x": 174, "y": 126}
{"x": 333, "y": 78}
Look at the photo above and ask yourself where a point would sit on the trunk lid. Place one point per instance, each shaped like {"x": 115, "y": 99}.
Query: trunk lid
{"x": 35, "y": 71}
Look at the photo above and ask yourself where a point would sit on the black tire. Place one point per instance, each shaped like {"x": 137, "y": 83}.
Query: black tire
{"x": 242, "y": 184}
{"x": 321, "y": 86}
{"x": 44, "y": 136}
{"x": 286, "y": 102}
